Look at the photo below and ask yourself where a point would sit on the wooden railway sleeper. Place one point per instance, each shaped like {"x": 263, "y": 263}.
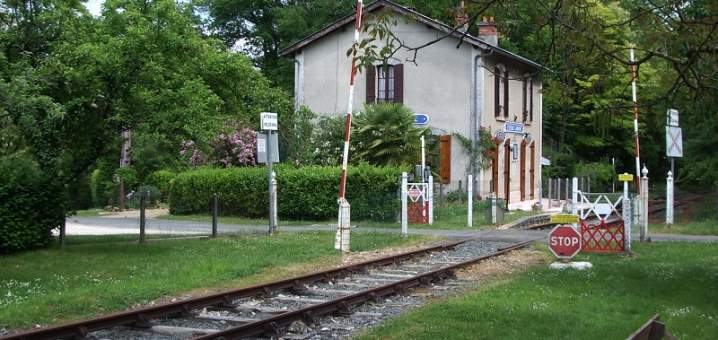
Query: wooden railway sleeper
{"x": 273, "y": 329}
{"x": 309, "y": 318}
{"x": 142, "y": 322}
{"x": 344, "y": 308}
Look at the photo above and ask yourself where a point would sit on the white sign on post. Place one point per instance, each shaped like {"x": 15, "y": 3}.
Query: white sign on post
{"x": 268, "y": 121}
{"x": 672, "y": 117}
{"x": 674, "y": 141}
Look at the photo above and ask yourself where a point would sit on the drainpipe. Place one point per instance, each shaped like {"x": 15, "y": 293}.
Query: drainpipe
{"x": 478, "y": 95}
{"x": 298, "y": 83}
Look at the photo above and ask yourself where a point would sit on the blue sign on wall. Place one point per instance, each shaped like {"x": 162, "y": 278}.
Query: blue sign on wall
{"x": 514, "y": 127}
{"x": 421, "y": 119}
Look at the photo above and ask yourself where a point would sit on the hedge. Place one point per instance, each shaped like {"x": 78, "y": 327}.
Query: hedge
{"x": 303, "y": 193}
{"x": 31, "y": 205}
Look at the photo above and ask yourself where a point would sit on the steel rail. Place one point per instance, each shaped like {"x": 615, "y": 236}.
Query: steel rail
{"x": 80, "y": 329}
{"x": 275, "y": 326}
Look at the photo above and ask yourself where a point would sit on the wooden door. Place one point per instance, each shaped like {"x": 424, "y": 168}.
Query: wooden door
{"x": 532, "y": 172}
{"x": 445, "y": 159}
{"x": 507, "y": 170}
{"x": 495, "y": 168}
{"x": 522, "y": 171}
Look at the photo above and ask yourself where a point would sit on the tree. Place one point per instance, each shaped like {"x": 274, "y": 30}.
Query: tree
{"x": 386, "y": 135}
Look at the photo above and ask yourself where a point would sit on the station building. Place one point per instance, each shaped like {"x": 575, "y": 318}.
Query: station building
{"x": 463, "y": 84}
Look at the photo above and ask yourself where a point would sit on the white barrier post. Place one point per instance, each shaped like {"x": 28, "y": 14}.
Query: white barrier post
{"x": 644, "y": 196}
{"x": 404, "y": 204}
{"x": 669, "y": 199}
{"x": 574, "y": 196}
{"x": 550, "y": 191}
{"x": 431, "y": 199}
{"x": 470, "y": 190}
{"x": 273, "y": 197}
{"x": 627, "y": 220}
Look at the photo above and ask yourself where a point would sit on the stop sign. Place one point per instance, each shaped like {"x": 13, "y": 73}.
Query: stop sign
{"x": 564, "y": 241}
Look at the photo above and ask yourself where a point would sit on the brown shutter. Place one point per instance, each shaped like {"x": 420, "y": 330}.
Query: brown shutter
{"x": 497, "y": 97}
{"x": 531, "y": 99}
{"x": 445, "y": 159}
{"x": 371, "y": 85}
{"x": 524, "y": 101}
{"x": 507, "y": 170}
{"x": 399, "y": 83}
{"x": 506, "y": 94}
{"x": 522, "y": 172}
{"x": 533, "y": 166}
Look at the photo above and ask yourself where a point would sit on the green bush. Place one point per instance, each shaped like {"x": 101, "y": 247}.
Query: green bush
{"x": 151, "y": 193}
{"x": 162, "y": 180}
{"x": 32, "y": 205}
{"x": 303, "y": 193}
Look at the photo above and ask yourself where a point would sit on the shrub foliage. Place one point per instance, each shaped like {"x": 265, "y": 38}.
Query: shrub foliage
{"x": 303, "y": 193}
{"x": 32, "y": 205}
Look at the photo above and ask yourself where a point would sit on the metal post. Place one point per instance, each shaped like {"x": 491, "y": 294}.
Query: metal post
{"x": 558, "y": 191}
{"x": 215, "y": 213}
{"x": 272, "y": 224}
{"x": 589, "y": 184}
{"x": 567, "y": 186}
{"x": 404, "y": 204}
{"x": 423, "y": 157}
{"x": 627, "y": 220}
{"x": 431, "y": 199}
{"x": 644, "y": 204}
{"x": 275, "y": 212}
{"x": 143, "y": 200}
{"x": 470, "y": 192}
{"x": 669, "y": 198}
{"x": 550, "y": 191}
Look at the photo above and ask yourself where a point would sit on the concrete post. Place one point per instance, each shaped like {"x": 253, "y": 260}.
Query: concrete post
{"x": 574, "y": 196}
{"x": 143, "y": 200}
{"x": 470, "y": 192}
{"x": 558, "y": 191}
{"x": 341, "y": 242}
{"x": 550, "y": 191}
{"x": 404, "y": 204}
{"x": 430, "y": 198}
{"x": 669, "y": 198}
{"x": 567, "y": 188}
{"x": 644, "y": 204}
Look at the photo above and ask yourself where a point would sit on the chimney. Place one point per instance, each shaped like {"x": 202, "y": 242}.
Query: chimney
{"x": 488, "y": 32}
{"x": 461, "y": 17}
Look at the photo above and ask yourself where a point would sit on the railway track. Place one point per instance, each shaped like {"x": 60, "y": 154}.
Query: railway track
{"x": 301, "y": 306}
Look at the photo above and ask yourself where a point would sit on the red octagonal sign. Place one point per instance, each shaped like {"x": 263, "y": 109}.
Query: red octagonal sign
{"x": 564, "y": 241}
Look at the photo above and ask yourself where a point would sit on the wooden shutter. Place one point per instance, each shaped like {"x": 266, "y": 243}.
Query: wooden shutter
{"x": 497, "y": 96}
{"x": 495, "y": 168}
{"x": 524, "y": 101}
{"x": 445, "y": 158}
{"x": 506, "y": 94}
{"x": 371, "y": 85}
{"x": 399, "y": 83}
{"x": 533, "y": 167}
{"x": 507, "y": 170}
{"x": 531, "y": 99}
{"x": 522, "y": 172}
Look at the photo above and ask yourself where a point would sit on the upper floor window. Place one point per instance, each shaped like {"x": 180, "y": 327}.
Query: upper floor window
{"x": 385, "y": 84}
{"x": 528, "y": 99}
{"x": 501, "y": 91}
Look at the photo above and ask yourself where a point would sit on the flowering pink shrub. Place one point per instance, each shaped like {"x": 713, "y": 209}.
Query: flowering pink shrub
{"x": 227, "y": 150}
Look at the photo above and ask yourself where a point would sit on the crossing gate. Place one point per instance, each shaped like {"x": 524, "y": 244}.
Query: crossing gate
{"x": 418, "y": 207}
{"x": 602, "y": 224}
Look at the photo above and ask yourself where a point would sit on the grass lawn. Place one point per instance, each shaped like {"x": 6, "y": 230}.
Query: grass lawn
{"x": 450, "y": 217}
{"x": 677, "y": 280}
{"x": 100, "y": 274}
{"x": 706, "y": 227}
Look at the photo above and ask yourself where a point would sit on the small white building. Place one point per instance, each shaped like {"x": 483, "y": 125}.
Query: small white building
{"x": 461, "y": 88}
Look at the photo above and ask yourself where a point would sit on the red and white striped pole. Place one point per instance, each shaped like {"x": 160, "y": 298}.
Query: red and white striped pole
{"x": 343, "y": 226}
{"x": 634, "y": 76}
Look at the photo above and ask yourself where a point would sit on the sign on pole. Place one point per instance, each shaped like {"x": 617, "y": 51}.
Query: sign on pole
{"x": 564, "y": 241}
{"x": 564, "y": 218}
{"x": 625, "y": 177}
{"x": 262, "y": 148}
{"x": 268, "y": 121}
{"x": 674, "y": 141}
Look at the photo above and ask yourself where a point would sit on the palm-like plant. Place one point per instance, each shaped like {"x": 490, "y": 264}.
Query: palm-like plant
{"x": 386, "y": 135}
